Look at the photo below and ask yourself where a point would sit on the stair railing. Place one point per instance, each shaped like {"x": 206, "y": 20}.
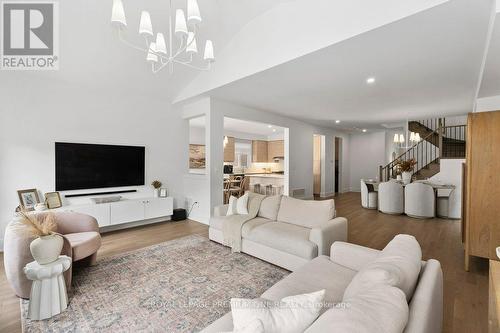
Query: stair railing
{"x": 423, "y": 152}
{"x": 455, "y": 140}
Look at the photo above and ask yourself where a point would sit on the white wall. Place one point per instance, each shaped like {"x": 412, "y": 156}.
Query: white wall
{"x": 367, "y": 153}
{"x": 491, "y": 103}
{"x": 300, "y": 147}
{"x": 276, "y": 31}
{"x": 38, "y": 113}
{"x": 451, "y": 173}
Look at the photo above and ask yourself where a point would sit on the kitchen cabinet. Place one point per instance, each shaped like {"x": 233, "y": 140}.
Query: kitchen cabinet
{"x": 229, "y": 150}
{"x": 259, "y": 151}
{"x": 275, "y": 149}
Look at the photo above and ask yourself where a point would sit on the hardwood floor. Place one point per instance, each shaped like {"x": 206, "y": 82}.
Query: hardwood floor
{"x": 465, "y": 293}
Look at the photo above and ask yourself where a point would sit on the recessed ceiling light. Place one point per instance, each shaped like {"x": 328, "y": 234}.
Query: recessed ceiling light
{"x": 269, "y": 126}
{"x": 370, "y": 80}
{"x": 364, "y": 130}
{"x": 274, "y": 129}
{"x": 337, "y": 121}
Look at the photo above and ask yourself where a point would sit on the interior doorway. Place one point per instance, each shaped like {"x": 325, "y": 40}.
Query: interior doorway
{"x": 317, "y": 165}
{"x": 337, "y": 173}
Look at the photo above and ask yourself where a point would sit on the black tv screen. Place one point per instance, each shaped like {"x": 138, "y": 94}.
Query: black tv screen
{"x": 85, "y": 166}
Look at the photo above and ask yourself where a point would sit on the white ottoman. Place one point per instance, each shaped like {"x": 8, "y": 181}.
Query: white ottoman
{"x": 48, "y": 292}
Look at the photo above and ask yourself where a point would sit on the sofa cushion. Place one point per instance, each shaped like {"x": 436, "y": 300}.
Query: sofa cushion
{"x": 292, "y": 314}
{"x": 397, "y": 265}
{"x": 252, "y": 224}
{"x": 269, "y": 207}
{"x": 305, "y": 213}
{"x": 380, "y": 310}
{"x": 284, "y": 237}
{"x": 84, "y": 244}
{"x": 319, "y": 273}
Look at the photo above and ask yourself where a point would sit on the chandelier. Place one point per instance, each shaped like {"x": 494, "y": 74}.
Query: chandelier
{"x": 182, "y": 46}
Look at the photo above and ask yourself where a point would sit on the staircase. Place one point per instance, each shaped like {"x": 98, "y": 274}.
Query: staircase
{"x": 438, "y": 141}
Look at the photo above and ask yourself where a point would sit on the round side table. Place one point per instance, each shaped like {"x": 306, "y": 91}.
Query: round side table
{"x": 48, "y": 292}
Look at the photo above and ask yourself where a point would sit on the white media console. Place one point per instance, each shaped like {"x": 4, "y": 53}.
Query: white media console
{"x": 125, "y": 210}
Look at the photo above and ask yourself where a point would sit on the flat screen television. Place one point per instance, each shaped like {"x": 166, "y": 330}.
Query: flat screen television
{"x": 82, "y": 166}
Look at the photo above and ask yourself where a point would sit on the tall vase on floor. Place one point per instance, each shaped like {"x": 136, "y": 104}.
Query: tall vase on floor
{"x": 46, "y": 249}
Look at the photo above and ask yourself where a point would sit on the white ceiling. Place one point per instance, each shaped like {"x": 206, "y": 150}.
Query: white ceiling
{"x": 92, "y": 57}
{"x": 490, "y": 85}
{"x": 243, "y": 126}
{"x": 425, "y": 65}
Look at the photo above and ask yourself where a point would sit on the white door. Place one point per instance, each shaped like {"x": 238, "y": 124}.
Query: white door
{"x": 100, "y": 212}
{"x": 127, "y": 211}
{"x": 158, "y": 207}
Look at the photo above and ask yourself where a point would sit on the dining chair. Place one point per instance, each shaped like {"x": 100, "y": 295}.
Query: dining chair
{"x": 368, "y": 196}
{"x": 420, "y": 200}
{"x": 391, "y": 198}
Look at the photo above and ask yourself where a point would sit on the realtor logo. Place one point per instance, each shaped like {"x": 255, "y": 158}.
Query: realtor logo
{"x": 30, "y": 35}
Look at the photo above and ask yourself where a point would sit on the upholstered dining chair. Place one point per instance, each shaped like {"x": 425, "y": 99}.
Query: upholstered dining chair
{"x": 420, "y": 200}
{"x": 391, "y": 198}
{"x": 368, "y": 196}
{"x": 81, "y": 242}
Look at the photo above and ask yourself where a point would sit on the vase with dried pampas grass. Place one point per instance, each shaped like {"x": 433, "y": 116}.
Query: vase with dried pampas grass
{"x": 47, "y": 245}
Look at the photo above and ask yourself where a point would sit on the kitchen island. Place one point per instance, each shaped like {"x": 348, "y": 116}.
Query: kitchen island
{"x": 266, "y": 183}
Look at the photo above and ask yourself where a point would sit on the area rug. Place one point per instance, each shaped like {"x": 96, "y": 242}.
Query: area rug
{"x": 177, "y": 286}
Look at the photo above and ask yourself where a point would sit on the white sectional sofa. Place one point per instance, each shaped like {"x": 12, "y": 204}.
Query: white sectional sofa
{"x": 287, "y": 232}
{"x": 424, "y": 302}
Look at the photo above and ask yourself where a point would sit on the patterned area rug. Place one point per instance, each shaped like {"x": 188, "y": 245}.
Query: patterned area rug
{"x": 178, "y": 286}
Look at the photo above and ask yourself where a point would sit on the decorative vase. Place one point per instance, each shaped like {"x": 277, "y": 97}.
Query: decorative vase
{"x": 156, "y": 192}
{"x": 46, "y": 249}
{"x": 406, "y": 177}
{"x": 398, "y": 177}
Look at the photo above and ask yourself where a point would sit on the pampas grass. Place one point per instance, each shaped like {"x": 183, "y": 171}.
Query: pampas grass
{"x": 30, "y": 225}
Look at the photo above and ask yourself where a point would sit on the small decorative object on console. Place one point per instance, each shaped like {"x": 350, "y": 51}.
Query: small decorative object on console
{"x": 28, "y": 198}
{"x": 163, "y": 192}
{"x": 53, "y": 200}
{"x": 156, "y": 185}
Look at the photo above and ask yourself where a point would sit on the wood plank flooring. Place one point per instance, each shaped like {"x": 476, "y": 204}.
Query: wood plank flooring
{"x": 465, "y": 293}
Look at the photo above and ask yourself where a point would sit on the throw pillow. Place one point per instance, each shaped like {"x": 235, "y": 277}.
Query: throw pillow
{"x": 254, "y": 327}
{"x": 397, "y": 265}
{"x": 292, "y": 314}
{"x": 238, "y": 206}
{"x": 380, "y": 310}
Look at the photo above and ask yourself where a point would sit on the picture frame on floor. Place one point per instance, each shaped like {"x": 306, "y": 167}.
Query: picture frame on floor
{"x": 28, "y": 198}
{"x": 53, "y": 200}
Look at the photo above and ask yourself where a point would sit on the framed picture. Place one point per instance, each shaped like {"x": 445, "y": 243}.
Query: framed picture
{"x": 28, "y": 198}
{"x": 163, "y": 192}
{"x": 196, "y": 156}
{"x": 53, "y": 200}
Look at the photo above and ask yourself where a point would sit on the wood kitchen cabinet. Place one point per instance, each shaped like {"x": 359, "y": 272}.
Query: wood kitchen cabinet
{"x": 259, "y": 151}
{"x": 275, "y": 149}
{"x": 229, "y": 150}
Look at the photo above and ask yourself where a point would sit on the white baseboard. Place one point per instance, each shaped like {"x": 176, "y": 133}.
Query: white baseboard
{"x": 327, "y": 194}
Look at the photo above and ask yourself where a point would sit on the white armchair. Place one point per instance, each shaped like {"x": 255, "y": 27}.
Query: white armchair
{"x": 368, "y": 196}
{"x": 419, "y": 200}
{"x": 391, "y": 198}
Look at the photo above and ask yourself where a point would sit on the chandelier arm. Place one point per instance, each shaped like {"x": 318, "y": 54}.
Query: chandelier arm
{"x": 183, "y": 49}
{"x": 187, "y": 61}
{"x": 120, "y": 37}
{"x": 161, "y": 67}
{"x": 193, "y": 66}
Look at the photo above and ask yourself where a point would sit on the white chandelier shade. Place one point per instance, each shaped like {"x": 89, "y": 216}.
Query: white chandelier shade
{"x": 396, "y": 138}
{"x": 193, "y": 12}
{"x": 179, "y": 46}
{"x": 145, "y": 26}
{"x": 118, "y": 14}
{"x": 180, "y": 23}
